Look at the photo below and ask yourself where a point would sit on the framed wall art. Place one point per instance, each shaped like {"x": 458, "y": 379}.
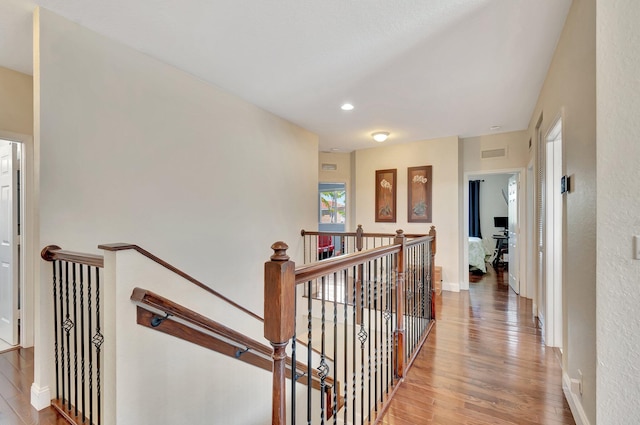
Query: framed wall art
{"x": 385, "y": 202}
{"x": 419, "y": 194}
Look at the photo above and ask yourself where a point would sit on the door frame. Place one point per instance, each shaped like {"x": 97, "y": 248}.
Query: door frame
{"x": 523, "y": 237}
{"x": 28, "y": 240}
{"x": 553, "y": 233}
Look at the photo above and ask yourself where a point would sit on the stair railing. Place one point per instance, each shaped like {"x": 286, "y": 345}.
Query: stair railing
{"x": 78, "y": 334}
{"x": 372, "y": 339}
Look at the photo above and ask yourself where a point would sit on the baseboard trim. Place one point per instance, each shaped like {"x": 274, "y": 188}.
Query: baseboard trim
{"x": 574, "y": 402}
{"x": 453, "y": 287}
{"x": 40, "y": 397}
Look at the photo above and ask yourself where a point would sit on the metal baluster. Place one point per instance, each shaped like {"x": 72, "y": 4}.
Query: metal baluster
{"x": 323, "y": 369}
{"x": 90, "y": 354}
{"x": 334, "y": 408}
{"x": 375, "y": 332}
{"x": 346, "y": 344}
{"x": 97, "y": 341}
{"x": 309, "y": 345}
{"x": 362, "y": 336}
{"x": 369, "y": 339}
{"x": 294, "y": 363}
{"x": 353, "y": 347}
{"x": 67, "y": 329}
{"x": 82, "y": 338}
{"x": 75, "y": 340}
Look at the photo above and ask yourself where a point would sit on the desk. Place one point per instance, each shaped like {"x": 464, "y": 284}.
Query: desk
{"x": 502, "y": 247}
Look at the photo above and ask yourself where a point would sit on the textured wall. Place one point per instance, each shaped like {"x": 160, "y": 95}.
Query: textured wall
{"x": 569, "y": 92}
{"x": 618, "y": 202}
{"x": 442, "y": 154}
{"x": 134, "y": 150}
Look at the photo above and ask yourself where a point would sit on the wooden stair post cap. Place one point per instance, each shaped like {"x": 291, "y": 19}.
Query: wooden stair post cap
{"x": 280, "y": 251}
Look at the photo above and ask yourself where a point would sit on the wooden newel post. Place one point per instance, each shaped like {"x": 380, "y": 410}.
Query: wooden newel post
{"x": 279, "y": 321}
{"x": 400, "y": 297}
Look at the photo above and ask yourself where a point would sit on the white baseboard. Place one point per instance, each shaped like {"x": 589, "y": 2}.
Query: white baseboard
{"x": 453, "y": 287}
{"x": 575, "y": 404}
{"x": 40, "y": 397}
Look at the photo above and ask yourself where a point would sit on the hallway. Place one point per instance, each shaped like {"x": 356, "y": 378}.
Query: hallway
{"x": 484, "y": 363}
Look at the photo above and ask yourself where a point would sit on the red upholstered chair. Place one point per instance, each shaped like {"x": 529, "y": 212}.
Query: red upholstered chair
{"x": 325, "y": 247}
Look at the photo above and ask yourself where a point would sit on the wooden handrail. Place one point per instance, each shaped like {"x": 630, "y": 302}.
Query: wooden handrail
{"x": 241, "y": 347}
{"x": 308, "y": 272}
{"x": 123, "y": 246}
{"x": 54, "y": 252}
{"x": 304, "y": 232}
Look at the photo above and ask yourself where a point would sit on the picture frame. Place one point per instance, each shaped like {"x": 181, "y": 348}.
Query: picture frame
{"x": 419, "y": 190}
{"x": 385, "y": 196}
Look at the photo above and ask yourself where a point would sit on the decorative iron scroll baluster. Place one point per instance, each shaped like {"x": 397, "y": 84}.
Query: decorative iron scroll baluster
{"x": 369, "y": 303}
{"x": 353, "y": 343}
{"x": 90, "y": 354}
{"x": 323, "y": 369}
{"x": 97, "y": 341}
{"x": 75, "y": 340}
{"x": 67, "y": 325}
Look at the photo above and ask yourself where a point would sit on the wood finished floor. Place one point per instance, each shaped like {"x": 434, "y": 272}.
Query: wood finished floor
{"x": 484, "y": 363}
{"x": 16, "y": 376}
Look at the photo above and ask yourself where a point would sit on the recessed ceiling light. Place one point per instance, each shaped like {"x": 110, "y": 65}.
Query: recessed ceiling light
{"x": 347, "y": 107}
{"x": 334, "y": 149}
{"x": 380, "y": 136}
{"x": 495, "y": 127}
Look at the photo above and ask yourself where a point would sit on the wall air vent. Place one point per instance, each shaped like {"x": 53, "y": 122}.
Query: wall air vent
{"x": 493, "y": 153}
{"x": 329, "y": 167}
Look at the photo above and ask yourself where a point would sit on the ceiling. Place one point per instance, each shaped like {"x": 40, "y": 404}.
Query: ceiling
{"x": 419, "y": 69}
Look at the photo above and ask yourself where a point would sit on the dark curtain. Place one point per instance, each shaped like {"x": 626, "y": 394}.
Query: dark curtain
{"x": 474, "y": 208}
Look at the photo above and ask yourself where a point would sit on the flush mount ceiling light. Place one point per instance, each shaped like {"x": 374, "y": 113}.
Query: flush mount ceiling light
{"x": 347, "y": 107}
{"x": 495, "y": 127}
{"x": 380, "y": 136}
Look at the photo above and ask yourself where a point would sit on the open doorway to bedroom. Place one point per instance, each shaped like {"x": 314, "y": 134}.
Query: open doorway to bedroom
{"x": 11, "y": 249}
{"x": 492, "y": 222}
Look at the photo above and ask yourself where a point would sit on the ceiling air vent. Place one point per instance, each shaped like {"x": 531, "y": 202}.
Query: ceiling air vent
{"x": 329, "y": 167}
{"x": 494, "y": 153}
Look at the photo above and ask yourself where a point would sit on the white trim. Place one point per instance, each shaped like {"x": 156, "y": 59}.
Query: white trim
{"x": 40, "y": 397}
{"x": 574, "y": 402}
{"x": 451, "y": 286}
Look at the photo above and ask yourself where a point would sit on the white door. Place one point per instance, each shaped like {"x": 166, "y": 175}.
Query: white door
{"x": 514, "y": 256}
{"x": 8, "y": 244}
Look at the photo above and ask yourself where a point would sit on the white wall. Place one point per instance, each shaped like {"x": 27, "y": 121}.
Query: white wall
{"x": 16, "y": 102}
{"x": 134, "y": 150}
{"x": 516, "y": 144}
{"x": 442, "y": 154}
{"x": 618, "y": 293}
{"x": 569, "y": 91}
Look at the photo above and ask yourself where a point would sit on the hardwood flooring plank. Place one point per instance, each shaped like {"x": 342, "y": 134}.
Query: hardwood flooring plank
{"x": 484, "y": 362}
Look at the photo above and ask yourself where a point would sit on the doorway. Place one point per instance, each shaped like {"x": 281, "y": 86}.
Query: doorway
{"x": 332, "y": 212}
{"x": 11, "y": 250}
{"x": 495, "y": 204}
